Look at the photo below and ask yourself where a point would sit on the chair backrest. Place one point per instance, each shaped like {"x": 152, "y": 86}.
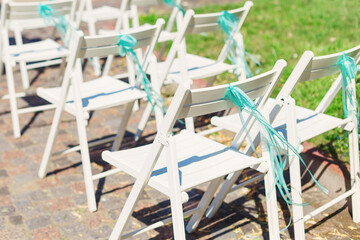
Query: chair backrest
{"x": 104, "y": 45}
{"x": 199, "y": 23}
{"x": 20, "y": 10}
{"x": 196, "y": 102}
{"x": 310, "y": 67}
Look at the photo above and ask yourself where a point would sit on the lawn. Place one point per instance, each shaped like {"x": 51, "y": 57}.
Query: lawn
{"x": 278, "y": 29}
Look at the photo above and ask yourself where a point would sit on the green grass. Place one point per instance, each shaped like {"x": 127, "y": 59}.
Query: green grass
{"x": 280, "y": 29}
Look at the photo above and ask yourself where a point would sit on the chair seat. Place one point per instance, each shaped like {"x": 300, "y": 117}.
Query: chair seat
{"x": 100, "y": 93}
{"x": 200, "y": 160}
{"x": 38, "y": 51}
{"x": 198, "y": 67}
{"x": 102, "y": 13}
{"x": 309, "y": 123}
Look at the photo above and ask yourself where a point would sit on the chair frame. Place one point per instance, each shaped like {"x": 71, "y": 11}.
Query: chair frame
{"x": 12, "y": 11}
{"x": 308, "y": 68}
{"x": 99, "y": 46}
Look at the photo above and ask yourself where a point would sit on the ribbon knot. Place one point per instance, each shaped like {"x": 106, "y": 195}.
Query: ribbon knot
{"x": 348, "y": 70}
{"x": 228, "y": 22}
{"x": 126, "y": 44}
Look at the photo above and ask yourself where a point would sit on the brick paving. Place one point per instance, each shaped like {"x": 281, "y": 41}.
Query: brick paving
{"x": 55, "y": 207}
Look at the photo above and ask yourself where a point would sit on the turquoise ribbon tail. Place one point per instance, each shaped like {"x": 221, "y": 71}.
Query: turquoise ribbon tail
{"x": 348, "y": 70}
{"x": 47, "y": 13}
{"x": 275, "y": 144}
{"x": 228, "y": 23}
{"x": 173, "y": 3}
{"x": 126, "y": 44}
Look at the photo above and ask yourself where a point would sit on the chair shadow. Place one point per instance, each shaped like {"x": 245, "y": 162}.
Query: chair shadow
{"x": 223, "y": 222}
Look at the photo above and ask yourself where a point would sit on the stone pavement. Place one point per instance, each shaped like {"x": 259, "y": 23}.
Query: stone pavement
{"x": 55, "y": 207}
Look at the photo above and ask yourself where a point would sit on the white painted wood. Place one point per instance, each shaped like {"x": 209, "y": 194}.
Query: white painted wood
{"x": 294, "y": 162}
{"x": 309, "y": 123}
{"x": 17, "y": 16}
{"x": 173, "y": 164}
{"x": 78, "y": 97}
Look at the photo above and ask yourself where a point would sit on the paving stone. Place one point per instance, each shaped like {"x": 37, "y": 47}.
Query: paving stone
{"x": 16, "y": 220}
{"x": 7, "y": 210}
{"x": 46, "y": 233}
{"x": 38, "y": 195}
{"x": 65, "y": 217}
{"x": 13, "y": 233}
{"x": 3, "y": 173}
{"x": 38, "y": 222}
{"x": 22, "y": 178}
{"x": 29, "y": 211}
{"x": 2, "y": 223}
{"x": 61, "y": 191}
{"x": 74, "y": 230}
{"x": 4, "y": 191}
{"x": 102, "y": 232}
{"x": 79, "y": 199}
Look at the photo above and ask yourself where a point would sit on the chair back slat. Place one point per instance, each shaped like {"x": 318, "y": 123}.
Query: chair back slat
{"x": 107, "y": 45}
{"x": 210, "y": 100}
{"x": 29, "y": 10}
{"x": 145, "y": 2}
{"x": 323, "y": 66}
{"x": 209, "y": 22}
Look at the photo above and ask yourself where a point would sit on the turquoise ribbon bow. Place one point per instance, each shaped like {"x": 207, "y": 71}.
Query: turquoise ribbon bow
{"x": 348, "y": 70}
{"x": 173, "y": 3}
{"x": 126, "y": 44}
{"x": 48, "y": 14}
{"x": 228, "y": 23}
{"x": 274, "y": 142}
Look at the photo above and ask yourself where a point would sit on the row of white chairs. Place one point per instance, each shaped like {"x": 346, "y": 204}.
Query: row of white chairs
{"x": 189, "y": 159}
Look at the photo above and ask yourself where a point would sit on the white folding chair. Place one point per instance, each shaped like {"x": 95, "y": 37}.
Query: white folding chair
{"x": 308, "y": 124}
{"x": 181, "y": 66}
{"x": 29, "y": 55}
{"x": 79, "y": 98}
{"x": 173, "y": 164}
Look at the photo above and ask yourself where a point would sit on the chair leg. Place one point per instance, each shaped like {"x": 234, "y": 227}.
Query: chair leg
{"x": 23, "y": 70}
{"x": 143, "y": 121}
{"x": 121, "y": 132}
{"x": 85, "y": 157}
{"x": 224, "y": 190}
{"x": 271, "y": 205}
{"x": 12, "y": 99}
{"x": 203, "y": 204}
{"x": 50, "y": 141}
{"x": 175, "y": 192}
{"x": 295, "y": 171}
{"x": 355, "y": 173}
